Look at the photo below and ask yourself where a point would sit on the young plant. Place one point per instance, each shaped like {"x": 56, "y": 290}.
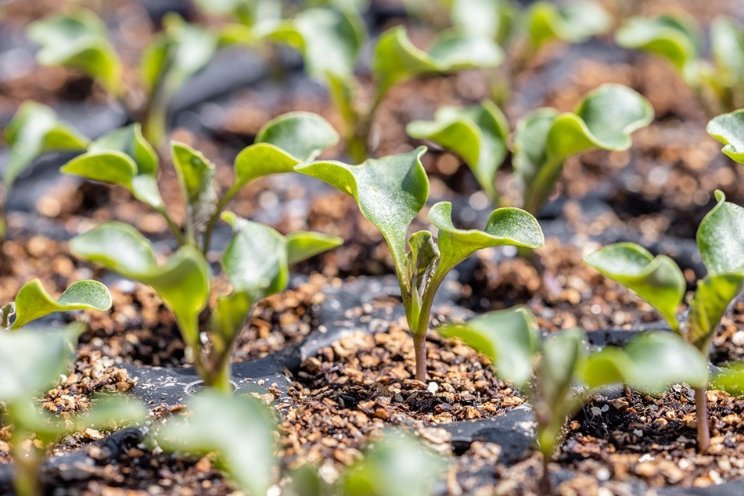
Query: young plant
{"x": 676, "y": 38}
{"x": 80, "y": 40}
{"x": 331, "y": 39}
{"x": 523, "y": 32}
{"x": 660, "y": 282}
{"x": 543, "y": 139}
{"x": 34, "y": 130}
{"x": 390, "y": 192}
{"x": 559, "y": 375}
{"x": 32, "y": 302}
{"x": 211, "y": 426}
{"x": 30, "y": 362}
{"x": 124, "y": 158}
{"x": 256, "y": 260}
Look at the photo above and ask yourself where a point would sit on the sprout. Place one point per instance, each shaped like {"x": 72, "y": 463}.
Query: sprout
{"x": 390, "y": 192}
{"x": 660, "y": 282}
{"x": 256, "y": 260}
{"x": 560, "y": 375}
{"x": 677, "y": 39}
{"x": 34, "y": 130}
{"x": 31, "y": 361}
{"x": 543, "y": 139}
{"x": 79, "y": 40}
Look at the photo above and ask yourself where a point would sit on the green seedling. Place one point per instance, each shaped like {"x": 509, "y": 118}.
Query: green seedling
{"x": 30, "y": 362}
{"x": 331, "y": 39}
{"x": 729, "y": 130}
{"x": 211, "y": 425}
{"x": 390, "y": 192}
{"x": 543, "y": 139}
{"x": 676, "y": 38}
{"x": 730, "y": 379}
{"x": 34, "y": 130}
{"x": 80, "y": 40}
{"x": 559, "y": 375}
{"x": 256, "y": 260}
{"x": 660, "y": 282}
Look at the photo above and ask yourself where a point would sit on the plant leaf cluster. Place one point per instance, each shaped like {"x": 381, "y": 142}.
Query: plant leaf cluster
{"x": 543, "y": 139}
{"x": 390, "y": 192}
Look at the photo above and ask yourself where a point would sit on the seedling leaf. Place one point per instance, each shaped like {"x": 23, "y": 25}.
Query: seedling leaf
{"x": 196, "y": 176}
{"x": 397, "y": 59}
{"x": 709, "y": 304}
{"x": 35, "y": 129}
{"x": 78, "y": 40}
{"x": 247, "y": 458}
{"x": 719, "y": 237}
{"x": 731, "y": 379}
{"x": 727, "y": 43}
{"x": 478, "y": 134}
{"x": 506, "y": 226}
{"x": 672, "y": 37}
{"x": 729, "y": 130}
{"x": 33, "y": 302}
{"x": 573, "y": 23}
{"x": 509, "y": 338}
{"x": 390, "y": 192}
{"x": 658, "y": 280}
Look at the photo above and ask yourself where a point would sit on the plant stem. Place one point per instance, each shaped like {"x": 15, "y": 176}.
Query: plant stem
{"x": 703, "y": 424}
{"x": 545, "y": 486}
{"x": 27, "y": 465}
{"x": 219, "y": 379}
{"x": 419, "y": 348}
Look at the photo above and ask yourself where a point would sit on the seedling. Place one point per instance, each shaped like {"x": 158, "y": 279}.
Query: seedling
{"x": 730, "y": 379}
{"x": 331, "y": 39}
{"x": 560, "y": 375}
{"x": 238, "y": 429}
{"x": 660, "y": 282}
{"x": 30, "y": 362}
{"x": 33, "y": 131}
{"x": 390, "y": 192}
{"x": 80, "y": 40}
{"x": 124, "y": 158}
{"x": 257, "y": 258}
{"x": 543, "y": 139}
{"x": 718, "y": 83}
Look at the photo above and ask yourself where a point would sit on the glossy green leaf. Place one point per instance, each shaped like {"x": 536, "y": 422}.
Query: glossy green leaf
{"x": 33, "y": 302}
{"x": 658, "y": 280}
{"x": 330, "y": 39}
{"x": 182, "y": 282}
{"x": 396, "y": 465}
{"x": 247, "y": 458}
{"x": 575, "y": 22}
{"x": 712, "y": 299}
{"x": 506, "y": 227}
{"x": 604, "y": 119}
{"x": 301, "y": 134}
{"x": 303, "y": 245}
{"x": 35, "y": 129}
{"x": 673, "y": 37}
{"x": 33, "y": 359}
{"x": 397, "y": 59}
{"x": 282, "y": 143}
{"x": 729, "y": 130}
{"x": 509, "y": 338}
{"x": 78, "y": 40}
{"x": 122, "y": 157}
{"x": 196, "y": 176}
{"x": 229, "y": 315}
{"x": 478, "y": 134}
{"x": 649, "y": 363}
{"x": 727, "y": 43}
{"x": 730, "y": 379}
{"x": 719, "y": 237}
{"x": 389, "y": 191}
